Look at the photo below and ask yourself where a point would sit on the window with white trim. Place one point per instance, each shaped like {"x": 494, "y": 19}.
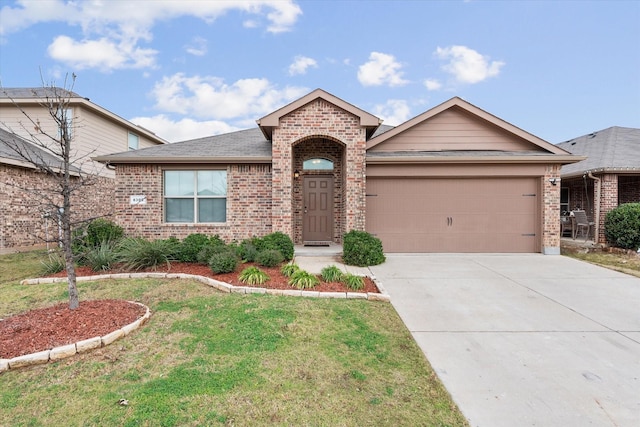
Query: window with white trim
{"x": 134, "y": 141}
{"x": 195, "y": 196}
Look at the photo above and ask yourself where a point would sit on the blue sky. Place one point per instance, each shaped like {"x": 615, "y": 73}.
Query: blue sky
{"x": 186, "y": 69}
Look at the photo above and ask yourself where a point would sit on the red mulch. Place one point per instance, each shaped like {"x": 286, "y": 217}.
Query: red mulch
{"x": 46, "y": 328}
{"x": 277, "y": 279}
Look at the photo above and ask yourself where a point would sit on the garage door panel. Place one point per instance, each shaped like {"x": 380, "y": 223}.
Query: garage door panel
{"x": 454, "y": 215}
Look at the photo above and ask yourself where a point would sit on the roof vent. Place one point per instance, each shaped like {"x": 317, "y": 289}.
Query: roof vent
{"x": 592, "y": 134}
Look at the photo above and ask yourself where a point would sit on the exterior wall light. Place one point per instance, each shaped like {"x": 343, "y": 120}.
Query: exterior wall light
{"x": 296, "y": 174}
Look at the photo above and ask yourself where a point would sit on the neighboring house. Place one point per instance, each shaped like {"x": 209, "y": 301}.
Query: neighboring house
{"x": 453, "y": 179}
{"x": 24, "y": 222}
{"x": 610, "y": 176}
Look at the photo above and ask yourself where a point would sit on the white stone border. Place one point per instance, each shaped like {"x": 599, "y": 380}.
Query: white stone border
{"x": 225, "y": 287}
{"x": 69, "y": 350}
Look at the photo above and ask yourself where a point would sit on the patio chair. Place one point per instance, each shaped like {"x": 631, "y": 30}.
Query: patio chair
{"x": 581, "y": 223}
{"x": 566, "y": 225}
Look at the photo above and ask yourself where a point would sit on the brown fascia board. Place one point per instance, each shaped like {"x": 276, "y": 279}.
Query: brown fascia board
{"x": 268, "y": 122}
{"x": 472, "y": 109}
{"x": 85, "y": 102}
{"x": 556, "y": 159}
{"x": 164, "y": 160}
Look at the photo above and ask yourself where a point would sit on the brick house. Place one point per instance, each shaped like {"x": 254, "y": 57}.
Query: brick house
{"x": 608, "y": 177}
{"x": 24, "y": 220}
{"x": 453, "y": 179}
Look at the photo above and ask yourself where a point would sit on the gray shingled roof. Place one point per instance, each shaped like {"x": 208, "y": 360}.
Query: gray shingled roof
{"x": 14, "y": 149}
{"x": 35, "y": 92}
{"x": 250, "y": 144}
{"x": 615, "y": 149}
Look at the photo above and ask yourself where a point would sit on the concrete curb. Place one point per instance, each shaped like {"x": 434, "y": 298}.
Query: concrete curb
{"x": 69, "y": 350}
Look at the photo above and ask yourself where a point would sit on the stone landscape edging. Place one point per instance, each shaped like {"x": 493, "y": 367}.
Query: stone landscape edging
{"x": 68, "y": 350}
{"x": 96, "y": 342}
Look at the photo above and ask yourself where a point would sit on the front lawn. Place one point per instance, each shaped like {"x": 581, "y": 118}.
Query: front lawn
{"x": 208, "y": 358}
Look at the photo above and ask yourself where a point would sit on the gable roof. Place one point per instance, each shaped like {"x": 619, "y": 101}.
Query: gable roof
{"x": 245, "y": 146}
{"x": 615, "y": 149}
{"x": 272, "y": 120}
{"x": 17, "y": 151}
{"x": 34, "y": 96}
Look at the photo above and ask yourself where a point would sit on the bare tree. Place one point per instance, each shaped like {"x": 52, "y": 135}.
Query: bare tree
{"x": 48, "y": 150}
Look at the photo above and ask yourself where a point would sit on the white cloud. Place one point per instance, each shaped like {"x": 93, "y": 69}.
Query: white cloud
{"x": 393, "y": 112}
{"x": 127, "y": 23}
{"x": 210, "y": 97}
{"x": 103, "y": 54}
{"x": 197, "y": 47}
{"x": 184, "y": 129}
{"x": 466, "y": 65}
{"x": 381, "y": 69}
{"x": 301, "y": 64}
{"x": 432, "y": 84}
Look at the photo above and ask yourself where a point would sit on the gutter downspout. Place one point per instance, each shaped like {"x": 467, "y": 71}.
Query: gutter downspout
{"x": 596, "y": 208}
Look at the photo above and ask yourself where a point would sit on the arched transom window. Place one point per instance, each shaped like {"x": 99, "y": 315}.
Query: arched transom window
{"x": 317, "y": 164}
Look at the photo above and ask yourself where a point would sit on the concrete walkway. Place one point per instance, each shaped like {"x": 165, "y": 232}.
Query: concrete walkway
{"x": 524, "y": 340}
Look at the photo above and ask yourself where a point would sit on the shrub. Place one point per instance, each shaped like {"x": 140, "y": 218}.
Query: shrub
{"x": 247, "y": 250}
{"x": 54, "y": 263}
{"x": 253, "y": 276}
{"x": 331, "y": 274}
{"x": 102, "y": 257}
{"x": 353, "y": 282}
{"x": 269, "y": 258}
{"x": 622, "y": 226}
{"x": 362, "y": 249}
{"x": 191, "y": 247}
{"x": 92, "y": 235}
{"x": 289, "y": 269}
{"x": 209, "y": 250}
{"x": 138, "y": 254}
{"x": 223, "y": 262}
{"x": 303, "y": 280}
{"x": 279, "y": 241}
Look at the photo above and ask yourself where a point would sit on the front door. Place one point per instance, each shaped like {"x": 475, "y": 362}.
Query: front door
{"x": 318, "y": 209}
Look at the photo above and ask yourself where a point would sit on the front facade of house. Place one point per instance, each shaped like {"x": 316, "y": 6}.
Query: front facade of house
{"x": 607, "y": 178}
{"x": 453, "y": 179}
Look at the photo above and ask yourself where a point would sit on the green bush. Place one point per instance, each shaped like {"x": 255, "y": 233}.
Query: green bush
{"x": 303, "y": 280}
{"x": 209, "y": 250}
{"x": 191, "y": 246}
{"x": 102, "y": 257}
{"x": 279, "y": 241}
{"x": 622, "y": 226}
{"x": 223, "y": 262}
{"x": 331, "y": 274}
{"x": 289, "y": 269}
{"x": 269, "y": 258}
{"x": 137, "y": 254}
{"x": 353, "y": 282}
{"x": 92, "y": 235}
{"x": 54, "y": 263}
{"x": 362, "y": 249}
{"x": 247, "y": 250}
{"x": 253, "y": 276}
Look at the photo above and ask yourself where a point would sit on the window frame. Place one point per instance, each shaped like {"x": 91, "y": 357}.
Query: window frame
{"x": 195, "y": 197}
{"x": 324, "y": 160}
{"x": 129, "y": 135}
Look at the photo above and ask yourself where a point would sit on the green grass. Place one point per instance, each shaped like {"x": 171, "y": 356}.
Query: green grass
{"x": 208, "y": 358}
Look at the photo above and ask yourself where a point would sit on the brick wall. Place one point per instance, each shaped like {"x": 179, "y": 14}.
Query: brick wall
{"x": 608, "y": 200}
{"x": 628, "y": 189}
{"x": 319, "y": 119}
{"x": 27, "y": 220}
{"x": 248, "y": 203}
{"x": 551, "y": 211}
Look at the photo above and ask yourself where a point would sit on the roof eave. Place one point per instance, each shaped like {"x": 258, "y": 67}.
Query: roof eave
{"x": 181, "y": 160}
{"x": 580, "y": 173}
{"x": 556, "y": 159}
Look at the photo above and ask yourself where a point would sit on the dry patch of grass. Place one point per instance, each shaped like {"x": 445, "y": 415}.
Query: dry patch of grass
{"x": 625, "y": 263}
{"x": 207, "y": 358}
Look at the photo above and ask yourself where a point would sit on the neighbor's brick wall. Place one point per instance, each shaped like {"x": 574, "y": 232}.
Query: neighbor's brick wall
{"x": 608, "y": 200}
{"x": 248, "y": 203}
{"x": 319, "y": 119}
{"x": 324, "y": 148}
{"x": 551, "y": 210}
{"x": 628, "y": 189}
{"x": 27, "y": 220}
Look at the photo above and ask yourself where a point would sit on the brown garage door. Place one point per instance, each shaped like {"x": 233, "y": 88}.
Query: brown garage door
{"x": 454, "y": 215}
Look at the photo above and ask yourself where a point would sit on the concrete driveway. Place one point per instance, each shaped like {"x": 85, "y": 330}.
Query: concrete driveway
{"x": 524, "y": 340}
